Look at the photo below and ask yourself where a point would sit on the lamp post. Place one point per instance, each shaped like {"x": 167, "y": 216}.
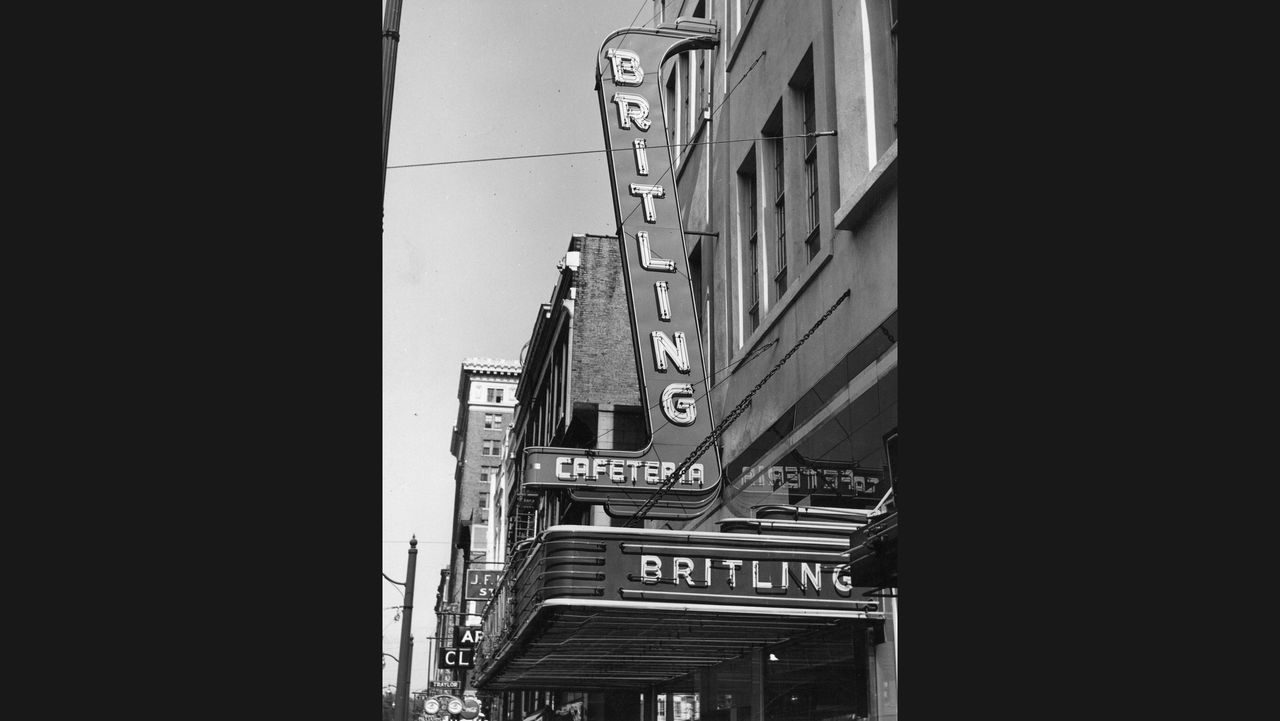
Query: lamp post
{"x": 390, "y": 42}
{"x": 406, "y": 641}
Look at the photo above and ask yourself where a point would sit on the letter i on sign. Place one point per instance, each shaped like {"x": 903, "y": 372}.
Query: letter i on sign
{"x": 642, "y": 157}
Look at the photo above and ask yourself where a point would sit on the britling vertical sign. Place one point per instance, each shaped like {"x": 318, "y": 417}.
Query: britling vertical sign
{"x": 673, "y": 379}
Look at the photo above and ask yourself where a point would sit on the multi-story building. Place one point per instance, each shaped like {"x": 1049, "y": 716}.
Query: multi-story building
{"x": 486, "y": 402}
{"x": 763, "y": 587}
{"x": 578, "y": 389}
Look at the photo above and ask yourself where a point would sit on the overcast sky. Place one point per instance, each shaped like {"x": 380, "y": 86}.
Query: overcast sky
{"x": 469, "y": 251}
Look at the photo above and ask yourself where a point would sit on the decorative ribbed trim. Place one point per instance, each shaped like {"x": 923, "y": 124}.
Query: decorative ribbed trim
{"x": 491, "y": 365}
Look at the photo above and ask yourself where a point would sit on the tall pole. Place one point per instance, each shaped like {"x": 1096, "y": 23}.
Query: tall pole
{"x": 390, "y": 42}
{"x": 406, "y": 642}
{"x": 431, "y": 652}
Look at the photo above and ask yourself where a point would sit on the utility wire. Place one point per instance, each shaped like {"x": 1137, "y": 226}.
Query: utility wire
{"x": 602, "y": 150}
{"x": 672, "y": 167}
{"x": 728, "y": 421}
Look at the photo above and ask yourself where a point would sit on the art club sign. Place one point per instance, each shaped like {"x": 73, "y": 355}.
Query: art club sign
{"x": 462, "y": 655}
{"x": 673, "y": 379}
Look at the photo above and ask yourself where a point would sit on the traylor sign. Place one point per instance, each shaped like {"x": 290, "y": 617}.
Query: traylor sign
{"x": 673, "y": 379}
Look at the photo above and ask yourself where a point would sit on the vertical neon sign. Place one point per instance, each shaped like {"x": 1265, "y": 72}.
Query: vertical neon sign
{"x": 673, "y": 379}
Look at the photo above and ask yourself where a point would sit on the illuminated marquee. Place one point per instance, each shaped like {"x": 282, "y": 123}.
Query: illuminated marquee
{"x": 692, "y": 567}
{"x": 727, "y": 574}
{"x": 669, "y": 358}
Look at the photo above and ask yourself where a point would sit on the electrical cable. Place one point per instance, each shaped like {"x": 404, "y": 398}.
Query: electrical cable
{"x": 728, "y": 420}
{"x": 602, "y": 150}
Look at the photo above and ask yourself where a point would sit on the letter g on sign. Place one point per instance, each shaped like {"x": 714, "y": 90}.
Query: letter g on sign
{"x": 678, "y": 404}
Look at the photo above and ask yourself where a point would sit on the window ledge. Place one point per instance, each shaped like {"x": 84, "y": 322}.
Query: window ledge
{"x": 882, "y": 178}
{"x": 777, "y": 309}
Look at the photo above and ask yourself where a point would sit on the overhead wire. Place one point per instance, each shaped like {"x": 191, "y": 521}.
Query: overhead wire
{"x": 729, "y": 419}
{"x": 679, "y": 471}
{"x": 713, "y": 114}
{"x": 623, "y": 235}
{"x": 815, "y": 134}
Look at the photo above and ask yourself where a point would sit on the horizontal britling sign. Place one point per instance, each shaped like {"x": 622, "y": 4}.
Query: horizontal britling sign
{"x": 673, "y": 379}
{"x": 704, "y": 568}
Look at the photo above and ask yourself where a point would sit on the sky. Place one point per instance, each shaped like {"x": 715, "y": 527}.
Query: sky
{"x": 469, "y": 251}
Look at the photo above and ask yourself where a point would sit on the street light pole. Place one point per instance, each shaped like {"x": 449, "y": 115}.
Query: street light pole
{"x": 390, "y": 41}
{"x": 406, "y": 641}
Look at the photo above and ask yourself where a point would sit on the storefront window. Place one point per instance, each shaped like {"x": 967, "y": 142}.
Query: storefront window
{"x": 684, "y": 707}
{"x": 731, "y": 691}
{"x": 818, "y": 677}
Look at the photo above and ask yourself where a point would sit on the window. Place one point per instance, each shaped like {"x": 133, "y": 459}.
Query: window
{"x": 776, "y": 193}
{"x": 747, "y": 207}
{"x": 814, "y": 239}
{"x": 804, "y": 100}
{"x": 779, "y": 216}
{"x": 698, "y": 78}
{"x": 893, "y": 37}
{"x": 484, "y": 500}
{"x": 685, "y": 64}
{"x": 673, "y": 116}
{"x": 738, "y": 11}
{"x": 495, "y": 395}
{"x": 493, "y": 420}
{"x": 488, "y": 474}
{"x": 880, "y": 75}
{"x": 491, "y": 447}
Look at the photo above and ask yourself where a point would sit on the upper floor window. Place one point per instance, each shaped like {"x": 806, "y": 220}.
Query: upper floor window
{"x": 673, "y": 107}
{"x": 484, "y": 500}
{"x": 805, "y": 102}
{"x": 777, "y": 197}
{"x": 495, "y": 395}
{"x": 879, "y": 78}
{"x": 779, "y": 216}
{"x": 747, "y": 222}
{"x": 491, "y": 447}
{"x": 699, "y": 77}
{"x": 739, "y": 11}
{"x": 813, "y": 241}
{"x": 893, "y": 37}
{"x": 690, "y": 77}
{"x": 493, "y": 420}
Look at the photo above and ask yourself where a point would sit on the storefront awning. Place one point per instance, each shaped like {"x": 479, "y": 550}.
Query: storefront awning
{"x": 601, "y": 607}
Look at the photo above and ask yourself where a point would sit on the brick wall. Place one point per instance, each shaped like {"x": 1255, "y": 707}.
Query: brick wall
{"x": 604, "y": 365}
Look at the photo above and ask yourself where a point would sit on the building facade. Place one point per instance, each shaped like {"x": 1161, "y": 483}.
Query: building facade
{"x": 486, "y": 404}
{"x": 578, "y": 389}
{"x": 768, "y": 591}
